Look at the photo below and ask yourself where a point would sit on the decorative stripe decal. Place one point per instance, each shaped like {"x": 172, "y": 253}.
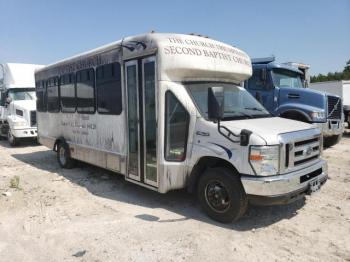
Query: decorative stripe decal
{"x": 228, "y": 151}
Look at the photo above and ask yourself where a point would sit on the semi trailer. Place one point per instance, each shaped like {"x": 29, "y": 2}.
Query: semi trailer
{"x": 18, "y": 102}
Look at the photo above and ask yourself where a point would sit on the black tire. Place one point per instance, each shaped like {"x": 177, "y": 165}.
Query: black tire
{"x": 218, "y": 185}
{"x": 63, "y": 156}
{"x": 331, "y": 140}
{"x": 13, "y": 141}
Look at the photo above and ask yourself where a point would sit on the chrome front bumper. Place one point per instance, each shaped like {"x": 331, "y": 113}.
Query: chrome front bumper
{"x": 331, "y": 127}
{"x": 280, "y": 185}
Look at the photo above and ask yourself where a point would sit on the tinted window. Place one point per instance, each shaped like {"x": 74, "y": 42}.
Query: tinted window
{"x": 255, "y": 82}
{"x": 41, "y": 96}
{"x": 86, "y": 91}
{"x": 53, "y": 102}
{"x": 150, "y": 120}
{"x": 67, "y": 93}
{"x": 176, "y": 129}
{"x": 108, "y": 84}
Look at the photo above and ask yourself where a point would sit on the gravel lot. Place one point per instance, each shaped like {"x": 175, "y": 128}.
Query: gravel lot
{"x": 89, "y": 214}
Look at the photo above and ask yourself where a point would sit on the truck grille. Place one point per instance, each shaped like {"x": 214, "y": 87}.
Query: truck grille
{"x": 32, "y": 118}
{"x": 334, "y": 107}
{"x": 306, "y": 150}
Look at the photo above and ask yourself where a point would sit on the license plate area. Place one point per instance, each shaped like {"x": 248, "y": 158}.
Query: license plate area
{"x": 314, "y": 185}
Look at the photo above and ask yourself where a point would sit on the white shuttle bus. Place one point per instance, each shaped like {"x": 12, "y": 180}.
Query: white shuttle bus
{"x": 167, "y": 112}
{"x": 18, "y": 102}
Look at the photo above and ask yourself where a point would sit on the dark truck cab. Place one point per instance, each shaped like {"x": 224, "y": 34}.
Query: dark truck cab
{"x": 281, "y": 90}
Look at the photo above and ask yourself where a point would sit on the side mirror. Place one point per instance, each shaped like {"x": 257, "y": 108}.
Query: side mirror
{"x": 215, "y": 103}
{"x": 263, "y": 75}
{"x": 8, "y": 101}
{"x": 305, "y": 83}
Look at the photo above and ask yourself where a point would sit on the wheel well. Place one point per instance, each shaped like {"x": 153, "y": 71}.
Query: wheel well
{"x": 295, "y": 115}
{"x": 201, "y": 166}
{"x": 57, "y": 142}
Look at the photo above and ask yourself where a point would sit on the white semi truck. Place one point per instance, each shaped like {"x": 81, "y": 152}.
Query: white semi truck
{"x": 338, "y": 88}
{"x": 18, "y": 101}
{"x": 167, "y": 111}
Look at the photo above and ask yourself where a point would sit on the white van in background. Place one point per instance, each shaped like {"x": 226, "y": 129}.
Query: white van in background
{"x": 167, "y": 112}
{"x": 18, "y": 101}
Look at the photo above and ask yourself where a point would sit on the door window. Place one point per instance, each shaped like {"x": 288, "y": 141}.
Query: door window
{"x": 150, "y": 121}
{"x": 133, "y": 129}
{"x": 176, "y": 128}
{"x": 255, "y": 82}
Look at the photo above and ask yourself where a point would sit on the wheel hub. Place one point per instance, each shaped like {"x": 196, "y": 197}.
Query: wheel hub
{"x": 217, "y": 196}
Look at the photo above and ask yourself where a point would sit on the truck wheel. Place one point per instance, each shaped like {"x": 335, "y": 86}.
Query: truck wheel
{"x": 221, "y": 195}
{"x": 13, "y": 141}
{"x": 331, "y": 140}
{"x": 63, "y": 156}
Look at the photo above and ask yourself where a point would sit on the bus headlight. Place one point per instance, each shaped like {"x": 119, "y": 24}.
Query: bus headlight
{"x": 264, "y": 160}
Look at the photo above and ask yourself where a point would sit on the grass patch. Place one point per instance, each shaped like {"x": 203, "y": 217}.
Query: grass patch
{"x": 14, "y": 182}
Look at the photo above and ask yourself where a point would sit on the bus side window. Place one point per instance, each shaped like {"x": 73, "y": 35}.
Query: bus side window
{"x": 67, "y": 93}
{"x": 177, "y": 121}
{"x": 108, "y": 85}
{"x": 85, "y": 85}
{"x": 41, "y": 96}
{"x": 53, "y": 101}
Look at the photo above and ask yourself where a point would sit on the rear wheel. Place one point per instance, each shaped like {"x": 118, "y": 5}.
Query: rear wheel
{"x": 13, "y": 141}
{"x": 221, "y": 194}
{"x": 63, "y": 156}
{"x": 331, "y": 140}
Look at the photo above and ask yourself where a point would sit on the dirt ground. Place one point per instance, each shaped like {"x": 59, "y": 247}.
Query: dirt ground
{"x": 89, "y": 214}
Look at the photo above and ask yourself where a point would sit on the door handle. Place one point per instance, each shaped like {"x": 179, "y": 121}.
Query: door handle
{"x": 201, "y": 133}
{"x": 293, "y": 96}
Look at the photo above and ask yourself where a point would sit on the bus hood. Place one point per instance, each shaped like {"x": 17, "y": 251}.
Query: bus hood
{"x": 267, "y": 128}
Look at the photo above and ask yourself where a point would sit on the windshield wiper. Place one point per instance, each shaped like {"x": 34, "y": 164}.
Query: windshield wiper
{"x": 239, "y": 112}
{"x": 254, "y": 108}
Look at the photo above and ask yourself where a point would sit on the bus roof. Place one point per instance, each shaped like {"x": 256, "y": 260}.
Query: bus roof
{"x": 180, "y": 58}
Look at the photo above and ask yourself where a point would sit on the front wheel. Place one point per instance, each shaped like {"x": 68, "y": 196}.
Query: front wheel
{"x": 13, "y": 141}
{"x": 221, "y": 195}
{"x": 63, "y": 156}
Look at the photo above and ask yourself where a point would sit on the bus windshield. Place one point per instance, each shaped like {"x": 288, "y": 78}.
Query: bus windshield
{"x": 22, "y": 94}
{"x": 238, "y": 103}
{"x": 286, "y": 78}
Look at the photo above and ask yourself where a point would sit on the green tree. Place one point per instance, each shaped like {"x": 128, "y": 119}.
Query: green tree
{"x": 332, "y": 76}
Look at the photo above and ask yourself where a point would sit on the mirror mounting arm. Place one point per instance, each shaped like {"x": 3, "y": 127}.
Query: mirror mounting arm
{"x": 229, "y": 133}
{"x": 244, "y": 136}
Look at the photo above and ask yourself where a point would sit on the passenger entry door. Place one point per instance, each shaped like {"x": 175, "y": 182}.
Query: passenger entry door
{"x": 140, "y": 77}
